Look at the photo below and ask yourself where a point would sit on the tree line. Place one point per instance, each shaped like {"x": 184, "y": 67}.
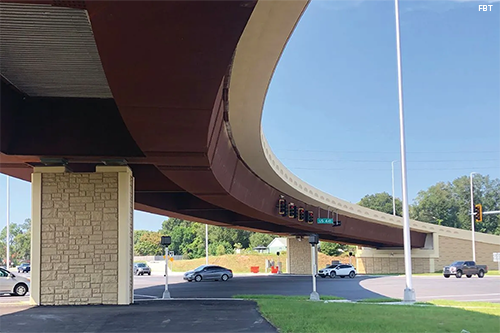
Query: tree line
{"x": 188, "y": 239}
{"x": 19, "y": 240}
{"x": 448, "y": 203}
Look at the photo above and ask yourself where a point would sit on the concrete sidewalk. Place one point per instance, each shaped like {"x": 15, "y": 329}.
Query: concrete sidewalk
{"x": 146, "y": 316}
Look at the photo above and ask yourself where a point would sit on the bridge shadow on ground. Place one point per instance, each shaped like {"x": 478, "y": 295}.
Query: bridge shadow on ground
{"x": 153, "y": 316}
{"x": 287, "y": 285}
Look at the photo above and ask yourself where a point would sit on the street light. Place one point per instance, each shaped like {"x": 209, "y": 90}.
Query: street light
{"x": 393, "y": 199}
{"x": 409, "y": 292}
{"x": 472, "y": 217}
{"x": 206, "y": 243}
{"x": 7, "y": 261}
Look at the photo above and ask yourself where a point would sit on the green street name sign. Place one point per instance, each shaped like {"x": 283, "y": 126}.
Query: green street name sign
{"x": 324, "y": 221}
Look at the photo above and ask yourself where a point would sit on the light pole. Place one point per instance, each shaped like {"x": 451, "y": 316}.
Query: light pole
{"x": 7, "y": 261}
{"x": 206, "y": 243}
{"x": 393, "y": 199}
{"x": 409, "y": 292}
{"x": 472, "y": 217}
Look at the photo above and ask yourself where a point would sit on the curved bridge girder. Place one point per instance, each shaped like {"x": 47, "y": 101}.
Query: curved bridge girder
{"x": 168, "y": 67}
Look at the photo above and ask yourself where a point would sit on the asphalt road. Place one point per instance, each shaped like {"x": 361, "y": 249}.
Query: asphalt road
{"x": 361, "y": 287}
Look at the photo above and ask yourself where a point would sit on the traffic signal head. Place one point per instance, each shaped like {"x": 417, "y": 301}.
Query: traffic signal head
{"x": 310, "y": 216}
{"x": 302, "y": 214}
{"x": 292, "y": 210}
{"x": 337, "y": 223}
{"x": 478, "y": 212}
{"x": 282, "y": 208}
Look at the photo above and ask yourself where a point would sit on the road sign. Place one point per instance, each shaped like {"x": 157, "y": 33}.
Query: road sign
{"x": 496, "y": 257}
{"x": 322, "y": 220}
{"x": 171, "y": 258}
{"x": 171, "y": 253}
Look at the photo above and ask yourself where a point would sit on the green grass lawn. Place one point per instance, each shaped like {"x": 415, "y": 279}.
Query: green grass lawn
{"x": 297, "y": 314}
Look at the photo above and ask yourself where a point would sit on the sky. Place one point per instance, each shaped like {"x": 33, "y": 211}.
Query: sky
{"x": 331, "y": 114}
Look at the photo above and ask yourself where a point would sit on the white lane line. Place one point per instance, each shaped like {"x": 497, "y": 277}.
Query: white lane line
{"x": 145, "y": 296}
{"x": 467, "y": 295}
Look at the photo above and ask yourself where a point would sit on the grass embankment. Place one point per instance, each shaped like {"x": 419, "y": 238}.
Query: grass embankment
{"x": 297, "y": 314}
{"x": 241, "y": 263}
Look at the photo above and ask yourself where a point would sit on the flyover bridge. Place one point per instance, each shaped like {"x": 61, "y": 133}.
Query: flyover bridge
{"x": 109, "y": 105}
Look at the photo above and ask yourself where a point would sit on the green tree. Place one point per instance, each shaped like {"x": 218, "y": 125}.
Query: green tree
{"x": 332, "y": 249}
{"x": 437, "y": 205}
{"x": 149, "y": 244}
{"x": 448, "y": 203}
{"x": 381, "y": 202}
{"x": 260, "y": 239}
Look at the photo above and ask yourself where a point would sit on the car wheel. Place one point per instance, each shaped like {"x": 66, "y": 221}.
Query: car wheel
{"x": 198, "y": 278}
{"x": 21, "y": 289}
{"x": 149, "y": 273}
{"x": 447, "y": 276}
{"x": 469, "y": 276}
{"x": 322, "y": 276}
{"x": 352, "y": 274}
{"x": 459, "y": 274}
{"x": 480, "y": 274}
{"x": 224, "y": 277}
{"x": 333, "y": 275}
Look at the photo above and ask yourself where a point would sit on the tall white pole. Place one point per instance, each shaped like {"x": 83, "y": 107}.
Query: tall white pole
{"x": 472, "y": 217}
{"x": 206, "y": 243}
{"x": 393, "y": 199}
{"x": 409, "y": 292}
{"x": 7, "y": 261}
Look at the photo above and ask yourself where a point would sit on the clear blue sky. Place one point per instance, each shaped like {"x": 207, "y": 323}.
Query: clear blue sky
{"x": 331, "y": 113}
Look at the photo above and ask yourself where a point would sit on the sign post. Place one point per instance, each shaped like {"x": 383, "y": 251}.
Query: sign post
{"x": 166, "y": 241}
{"x": 496, "y": 258}
{"x": 314, "y": 240}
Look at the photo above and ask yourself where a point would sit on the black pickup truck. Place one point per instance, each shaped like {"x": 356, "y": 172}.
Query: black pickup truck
{"x": 467, "y": 268}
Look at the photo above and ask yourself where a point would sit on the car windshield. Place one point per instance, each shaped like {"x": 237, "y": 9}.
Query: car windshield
{"x": 457, "y": 263}
{"x": 141, "y": 265}
{"x": 199, "y": 269}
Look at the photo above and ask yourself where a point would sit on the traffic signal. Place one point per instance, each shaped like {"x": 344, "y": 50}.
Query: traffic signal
{"x": 292, "y": 210}
{"x": 302, "y": 214}
{"x": 282, "y": 208}
{"x": 478, "y": 212}
{"x": 337, "y": 223}
{"x": 310, "y": 217}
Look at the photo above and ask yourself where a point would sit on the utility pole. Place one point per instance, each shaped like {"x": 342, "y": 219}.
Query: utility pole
{"x": 393, "y": 199}
{"x": 7, "y": 261}
{"x": 206, "y": 243}
{"x": 472, "y": 217}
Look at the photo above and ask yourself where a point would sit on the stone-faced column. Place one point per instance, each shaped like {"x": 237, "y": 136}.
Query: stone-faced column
{"x": 299, "y": 255}
{"x": 82, "y": 236}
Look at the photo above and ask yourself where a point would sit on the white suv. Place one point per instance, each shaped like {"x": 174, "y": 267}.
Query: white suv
{"x": 341, "y": 270}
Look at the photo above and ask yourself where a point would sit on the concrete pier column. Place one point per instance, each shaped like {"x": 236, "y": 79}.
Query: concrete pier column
{"x": 82, "y": 236}
{"x": 299, "y": 255}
